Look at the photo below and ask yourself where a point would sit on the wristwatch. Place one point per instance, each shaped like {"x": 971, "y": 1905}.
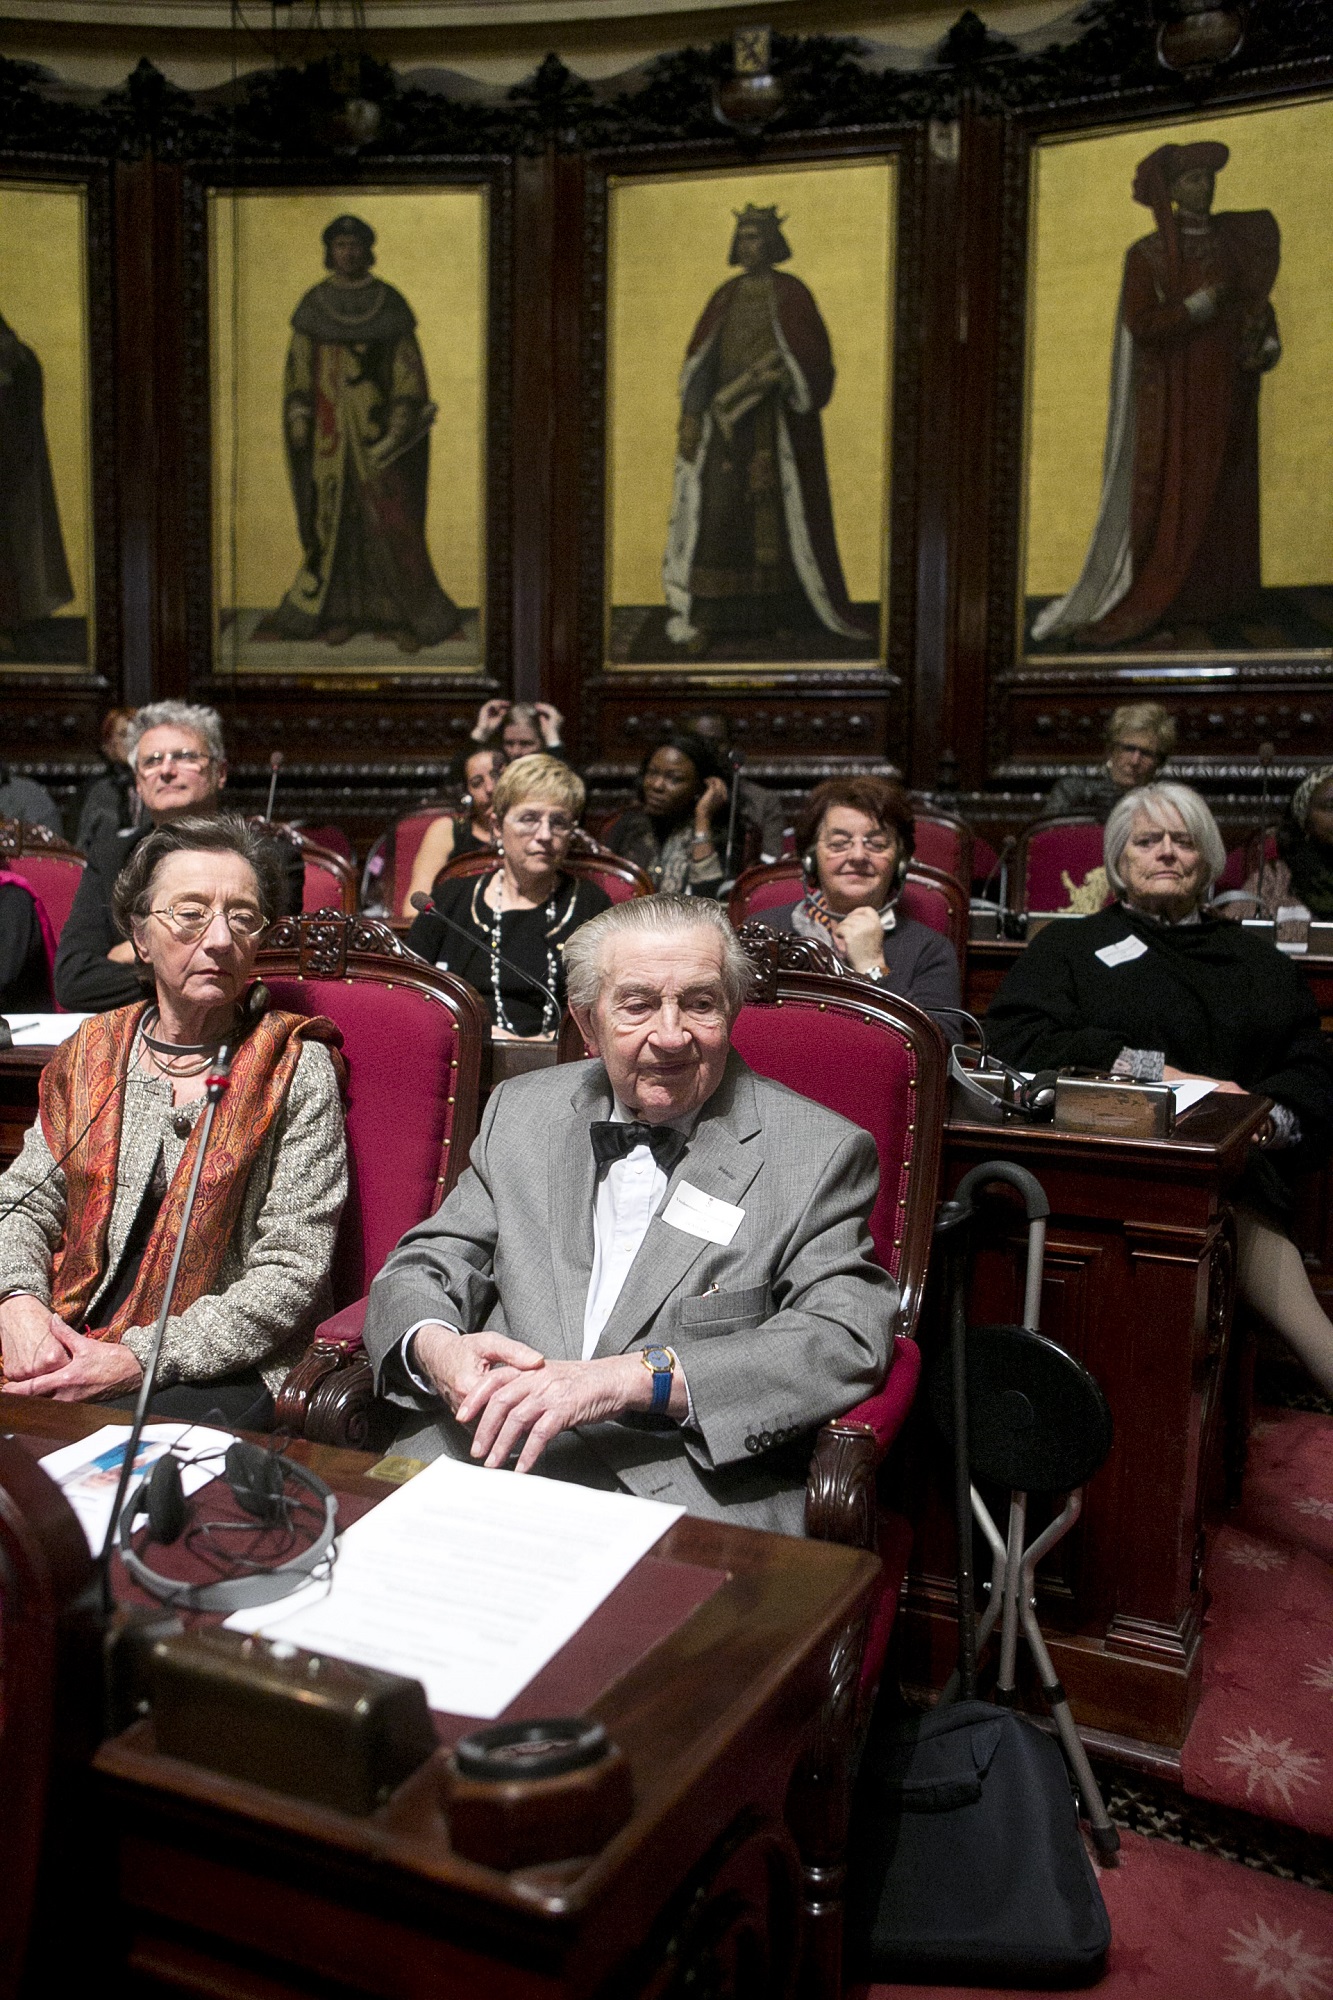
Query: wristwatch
{"x": 661, "y": 1365}
{"x": 876, "y": 973}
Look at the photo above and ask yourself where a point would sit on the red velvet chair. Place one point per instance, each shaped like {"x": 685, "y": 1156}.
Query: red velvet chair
{"x": 1049, "y": 850}
{"x": 932, "y": 898}
{"x": 389, "y": 865}
{"x": 41, "y": 857}
{"x": 621, "y": 879}
{"x": 412, "y": 1039}
{"x": 1242, "y": 861}
{"x": 330, "y": 879}
{"x": 943, "y": 841}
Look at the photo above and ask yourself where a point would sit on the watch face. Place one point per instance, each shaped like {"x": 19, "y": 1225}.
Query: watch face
{"x": 658, "y": 1360}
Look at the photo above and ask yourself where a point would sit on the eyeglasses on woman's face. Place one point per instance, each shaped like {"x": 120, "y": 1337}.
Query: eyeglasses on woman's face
{"x": 527, "y": 821}
{"x": 189, "y": 920}
{"x": 871, "y": 843}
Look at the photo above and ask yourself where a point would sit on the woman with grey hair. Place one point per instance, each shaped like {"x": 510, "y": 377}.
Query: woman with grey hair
{"x": 1140, "y": 736}
{"x": 1160, "y": 986}
{"x": 91, "y": 1210}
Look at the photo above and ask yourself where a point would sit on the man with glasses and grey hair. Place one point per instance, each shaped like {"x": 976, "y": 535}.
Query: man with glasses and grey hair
{"x": 179, "y": 760}
{"x": 655, "y": 1276}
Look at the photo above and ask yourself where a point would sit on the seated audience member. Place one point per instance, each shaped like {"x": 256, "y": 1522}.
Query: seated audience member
{"x": 1301, "y": 878}
{"x": 672, "y": 834}
{"x": 27, "y": 947}
{"x": 1158, "y": 985}
{"x": 109, "y": 800}
{"x": 519, "y": 728}
{"x": 1139, "y": 739}
{"x": 25, "y": 799}
{"x": 460, "y": 832}
{"x": 507, "y": 930}
{"x": 564, "y": 1309}
{"x": 180, "y": 766}
{"x": 91, "y": 1209}
{"x": 855, "y": 837}
{"x": 756, "y": 806}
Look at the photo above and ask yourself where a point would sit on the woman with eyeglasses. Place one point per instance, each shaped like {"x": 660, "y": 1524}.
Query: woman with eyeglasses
{"x": 1140, "y": 736}
{"x": 855, "y": 838}
{"x": 1159, "y": 987}
{"x": 91, "y": 1210}
{"x": 504, "y": 931}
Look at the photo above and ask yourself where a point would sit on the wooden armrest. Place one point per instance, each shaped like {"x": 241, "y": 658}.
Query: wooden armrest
{"x": 328, "y": 1395}
{"x": 840, "y": 1487}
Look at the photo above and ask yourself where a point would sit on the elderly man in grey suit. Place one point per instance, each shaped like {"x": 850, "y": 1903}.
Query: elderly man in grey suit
{"x": 655, "y": 1275}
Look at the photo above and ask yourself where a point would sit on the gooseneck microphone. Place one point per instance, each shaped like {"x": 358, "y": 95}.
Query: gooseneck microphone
{"x": 275, "y": 763}
{"x": 422, "y": 903}
{"x": 736, "y": 760}
{"x": 215, "y": 1085}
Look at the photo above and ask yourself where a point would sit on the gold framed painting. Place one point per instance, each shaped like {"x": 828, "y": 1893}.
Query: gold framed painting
{"x": 48, "y": 620}
{"x": 748, "y": 414}
{"x": 349, "y": 360}
{"x": 1178, "y": 484}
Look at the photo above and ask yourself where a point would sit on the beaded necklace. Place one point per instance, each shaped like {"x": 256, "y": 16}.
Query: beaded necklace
{"x": 550, "y": 1009}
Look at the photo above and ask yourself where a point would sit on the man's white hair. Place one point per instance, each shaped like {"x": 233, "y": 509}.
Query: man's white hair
{"x": 205, "y": 723}
{"x": 657, "y": 916}
{"x": 1155, "y": 802}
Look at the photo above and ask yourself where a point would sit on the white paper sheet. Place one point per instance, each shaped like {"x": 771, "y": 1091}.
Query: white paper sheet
{"x": 1190, "y": 1090}
{"x": 87, "y": 1472}
{"x": 41, "y": 1031}
{"x": 468, "y": 1580}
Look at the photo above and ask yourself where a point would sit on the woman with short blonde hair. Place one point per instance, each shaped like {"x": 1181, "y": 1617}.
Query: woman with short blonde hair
{"x": 504, "y": 931}
{"x": 1140, "y": 736}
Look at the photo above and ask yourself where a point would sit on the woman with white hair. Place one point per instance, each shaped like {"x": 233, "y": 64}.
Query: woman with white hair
{"x": 1159, "y": 986}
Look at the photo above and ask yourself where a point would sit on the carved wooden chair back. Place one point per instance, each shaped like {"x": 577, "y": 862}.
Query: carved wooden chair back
{"x": 1055, "y": 858}
{"x": 50, "y": 864}
{"x": 44, "y": 1567}
{"x": 621, "y": 879}
{"x": 928, "y": 896}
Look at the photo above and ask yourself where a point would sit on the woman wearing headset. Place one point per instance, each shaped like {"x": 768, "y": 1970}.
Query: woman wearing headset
{"x": 856, "y": 837}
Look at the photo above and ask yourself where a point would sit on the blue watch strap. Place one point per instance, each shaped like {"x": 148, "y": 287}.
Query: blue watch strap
{"x": 661, "y": 1383}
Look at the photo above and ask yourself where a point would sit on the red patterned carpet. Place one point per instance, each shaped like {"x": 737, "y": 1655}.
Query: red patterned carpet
{"x": 1187, "y": 1926}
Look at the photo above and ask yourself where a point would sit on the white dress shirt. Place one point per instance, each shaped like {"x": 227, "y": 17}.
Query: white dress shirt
{"x": 629, "y": 1194}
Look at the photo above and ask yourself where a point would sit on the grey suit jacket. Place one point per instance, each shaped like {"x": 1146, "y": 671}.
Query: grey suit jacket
{"x": 789, "y": 1324}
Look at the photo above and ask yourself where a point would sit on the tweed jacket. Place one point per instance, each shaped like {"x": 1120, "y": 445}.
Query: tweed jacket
{"x": 273, "y": 1288}
{"x": 789, "y": 1324}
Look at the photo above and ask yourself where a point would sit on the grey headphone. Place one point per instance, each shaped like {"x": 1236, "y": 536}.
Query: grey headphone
{"x": 161, "y": 1497}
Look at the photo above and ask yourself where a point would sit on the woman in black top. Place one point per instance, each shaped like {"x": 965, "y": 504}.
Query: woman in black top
{"x": 1159, "y": 985}
{"x": 671, "y": 834}
{"x": 506, "y": 930}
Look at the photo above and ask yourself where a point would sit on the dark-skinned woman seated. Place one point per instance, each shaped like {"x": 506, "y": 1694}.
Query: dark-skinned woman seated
{"x": 856, "y": 837}
{"x": 1160, "y": 985}
{"x": 671, "y": 833}
{"x": 91, "y": 1209}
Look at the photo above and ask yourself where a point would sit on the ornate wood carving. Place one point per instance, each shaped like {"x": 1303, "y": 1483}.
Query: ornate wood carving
{"x": 24, "y": 837}
{"x": 840, "y": 1487}
{"x": 771, "y": 953}
{"x": 323, "y": 940}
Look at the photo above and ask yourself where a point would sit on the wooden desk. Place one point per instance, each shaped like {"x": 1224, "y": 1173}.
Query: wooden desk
{"x": 1139, "y": 1285}
{"x": 20, "y": 1073}
{"x": 735, "y": 1747}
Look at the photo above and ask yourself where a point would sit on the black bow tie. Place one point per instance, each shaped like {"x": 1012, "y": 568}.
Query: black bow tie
{"x": 613, "y": 1141}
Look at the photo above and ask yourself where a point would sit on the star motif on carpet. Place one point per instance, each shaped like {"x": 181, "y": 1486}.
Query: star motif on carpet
{"x": 1319, "y": 1674}
{"x": 1255, "y": 1555}
{"x": 1273, "y": 1769}
{"x": 1281, "y": 1962}
{"x": 1314, "y": 1507}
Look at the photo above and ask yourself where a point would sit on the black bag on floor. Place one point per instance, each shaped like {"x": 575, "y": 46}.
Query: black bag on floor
{"x": 967, "y": 1864}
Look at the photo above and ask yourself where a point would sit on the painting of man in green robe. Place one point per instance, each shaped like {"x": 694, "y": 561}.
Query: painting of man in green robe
{"x": 357, "y": 418}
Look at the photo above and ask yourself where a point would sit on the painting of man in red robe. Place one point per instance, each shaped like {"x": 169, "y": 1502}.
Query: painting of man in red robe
{"x": 751, "y": 550}
{"x": 1175, "y": 552}
{"x": 357, "y": 418}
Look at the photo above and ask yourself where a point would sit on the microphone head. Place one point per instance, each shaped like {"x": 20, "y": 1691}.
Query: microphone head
{"x": 275, "y": 761}
{"x": 736, "y": 759}
{"x": 1267, "y": 752}
{"x": 420, "y": 901}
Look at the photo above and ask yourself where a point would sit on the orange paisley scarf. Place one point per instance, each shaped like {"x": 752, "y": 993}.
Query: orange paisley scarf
{"x": 81, "y": 1100}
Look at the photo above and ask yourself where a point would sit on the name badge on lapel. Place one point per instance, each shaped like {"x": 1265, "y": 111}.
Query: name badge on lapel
{"x": 700, "y": 1214}
{"x": 1122, "y": 952}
